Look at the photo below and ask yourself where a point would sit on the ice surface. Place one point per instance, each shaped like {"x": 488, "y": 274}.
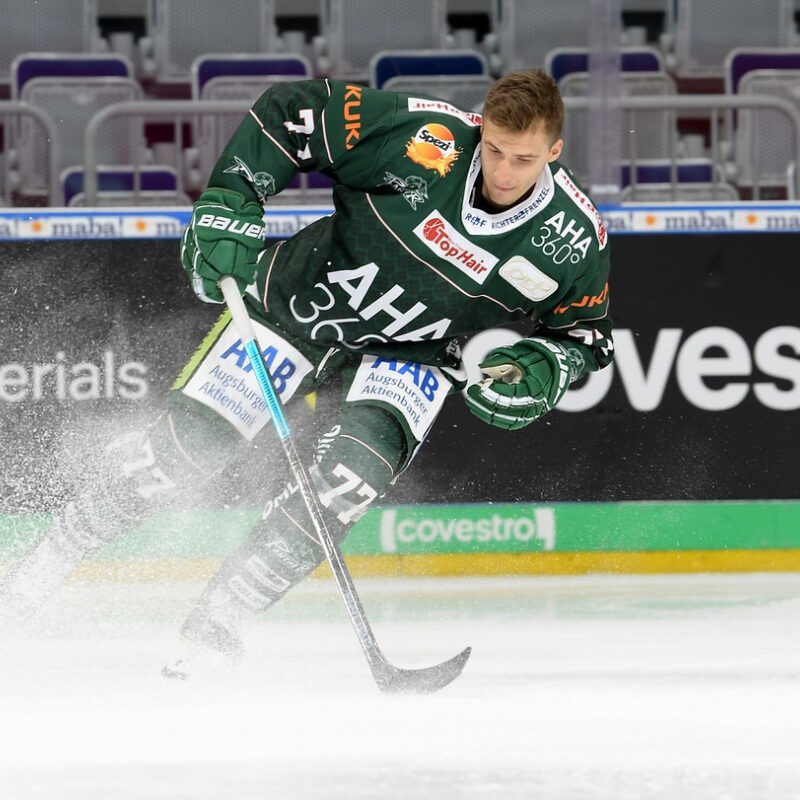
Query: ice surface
{"x": 589, "y": 687}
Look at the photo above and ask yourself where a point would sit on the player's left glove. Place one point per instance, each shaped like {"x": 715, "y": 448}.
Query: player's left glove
{"x": 525, "y": 381}
{"x": 224, "y": 237}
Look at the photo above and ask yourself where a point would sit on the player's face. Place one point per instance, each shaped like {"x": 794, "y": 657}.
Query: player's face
{"x": 512, "y": 162}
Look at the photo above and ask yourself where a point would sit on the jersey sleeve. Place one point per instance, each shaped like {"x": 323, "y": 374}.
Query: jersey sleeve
{"x": 581, "y": 321}
{"x": 305, "y": 126}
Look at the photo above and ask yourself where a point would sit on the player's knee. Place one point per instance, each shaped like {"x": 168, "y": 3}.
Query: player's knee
{"x": 197, "y": 443}
{"x": 120, "y": 488}
{"x": 135, "y": 474}
{"x": 354, "y": 463}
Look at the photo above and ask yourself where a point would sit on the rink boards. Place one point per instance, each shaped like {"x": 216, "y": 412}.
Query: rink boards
{"x": 475, "y": 539}
{"x": 682, "y": 457}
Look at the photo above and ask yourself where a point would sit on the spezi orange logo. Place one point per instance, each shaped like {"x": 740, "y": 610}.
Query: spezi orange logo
{"x": 433, "y": 147}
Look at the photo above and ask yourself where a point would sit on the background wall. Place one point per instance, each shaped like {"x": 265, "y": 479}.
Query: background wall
{"x": 701, "y": 404}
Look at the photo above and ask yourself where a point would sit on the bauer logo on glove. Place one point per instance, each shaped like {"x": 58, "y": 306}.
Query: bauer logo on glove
{"x": 253, "y": 229}
{"x": 224, "y": 237}
{"x": 524, "y": 381}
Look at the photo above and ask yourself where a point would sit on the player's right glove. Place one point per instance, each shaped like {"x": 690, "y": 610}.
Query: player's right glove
{"x": 525, "y": 381}
{"x": 224, "y": 237}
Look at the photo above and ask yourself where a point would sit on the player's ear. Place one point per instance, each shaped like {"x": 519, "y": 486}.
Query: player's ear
{"x": 555, "y": 150}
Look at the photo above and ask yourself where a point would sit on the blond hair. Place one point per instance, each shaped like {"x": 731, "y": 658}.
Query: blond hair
{"x": 525, "y": 100}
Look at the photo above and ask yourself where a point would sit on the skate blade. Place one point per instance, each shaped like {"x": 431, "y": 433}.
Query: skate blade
{"x": 201, "y": 662}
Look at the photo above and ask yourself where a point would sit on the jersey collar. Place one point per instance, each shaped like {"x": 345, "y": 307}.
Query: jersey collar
{"x": 482, "y": 222}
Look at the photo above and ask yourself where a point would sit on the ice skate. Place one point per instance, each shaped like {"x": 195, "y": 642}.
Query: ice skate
{"x": 210, "y": 639}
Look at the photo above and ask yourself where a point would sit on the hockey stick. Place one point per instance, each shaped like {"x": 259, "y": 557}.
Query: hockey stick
{"x": 390, "y": 679}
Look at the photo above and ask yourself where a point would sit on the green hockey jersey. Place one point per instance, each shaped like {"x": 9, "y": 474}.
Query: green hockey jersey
{"x": 407, "y": 263}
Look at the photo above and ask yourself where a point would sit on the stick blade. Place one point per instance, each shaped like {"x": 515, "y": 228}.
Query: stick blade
{"x": 394, "y": 680}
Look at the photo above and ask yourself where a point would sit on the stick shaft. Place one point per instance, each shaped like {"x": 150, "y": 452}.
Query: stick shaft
{"x": 241, "y": 319}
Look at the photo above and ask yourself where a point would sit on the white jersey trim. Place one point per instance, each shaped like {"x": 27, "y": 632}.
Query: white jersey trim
{"x": 427, "y": 105}
{"x": 582, "y": 201}
{"x": 481, "y": 222}
{"x": 323, "y": 118}
{"x": 272, "y": 138}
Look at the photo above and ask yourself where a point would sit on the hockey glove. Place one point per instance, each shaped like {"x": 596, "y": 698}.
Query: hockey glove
{"x": 525, "y": 380}
{"x": 223, "y": 237}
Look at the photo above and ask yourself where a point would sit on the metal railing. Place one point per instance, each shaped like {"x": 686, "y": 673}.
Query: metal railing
{"x": 719, "y": 111}
{"x": 174, "y": 113}
{"x": 12, "y": 112}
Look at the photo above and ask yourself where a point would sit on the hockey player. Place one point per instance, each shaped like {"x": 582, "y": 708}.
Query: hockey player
{"x": 446, "y": 223}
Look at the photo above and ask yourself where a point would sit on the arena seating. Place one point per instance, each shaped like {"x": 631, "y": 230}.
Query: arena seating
{"x": 352, "y": 31}
{"x": 70, "y": 88}
{"x": 642, "y": 134}
{"x": 705, "y": 31}
{"x": 66, "y": 62}
{"x": 152, "y": 185}
{"x": 388, "y": 64}
{"x": 182, "y": 30}
{"x": 65, "y": 26}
